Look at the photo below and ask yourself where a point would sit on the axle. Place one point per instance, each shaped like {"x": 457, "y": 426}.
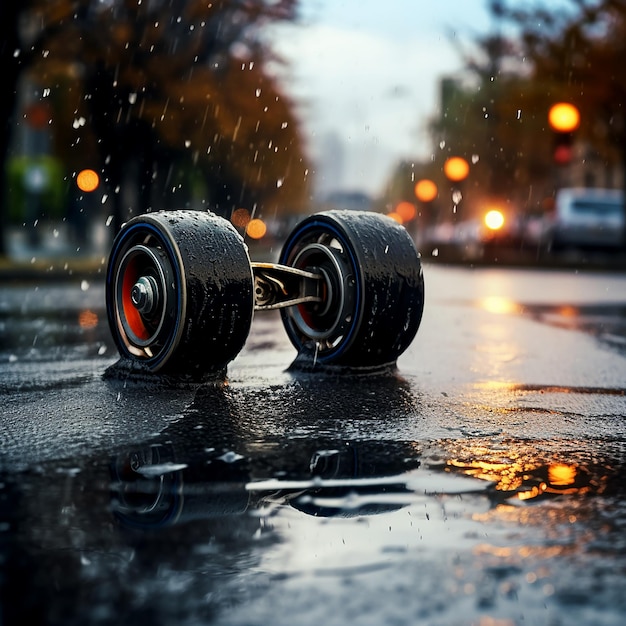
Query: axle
{"x": 278, "y": 286}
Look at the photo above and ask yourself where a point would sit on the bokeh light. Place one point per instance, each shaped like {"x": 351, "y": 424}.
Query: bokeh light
{"x": 425, "y": 190}
{"x": 456, "y": 169}
{"x": 494, "y": 219}
{"x": 564, "y": 117}
{"x": 87, "y": 180}
{"x": 240, "y": 218}
{"x": 256, "y": 229}
{"x": 406, "y": 210}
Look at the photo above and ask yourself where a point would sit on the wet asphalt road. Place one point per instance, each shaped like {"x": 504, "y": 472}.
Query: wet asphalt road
{"x": 482, "y": 483}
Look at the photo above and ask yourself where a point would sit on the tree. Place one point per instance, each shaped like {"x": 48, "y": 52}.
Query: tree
{"x": 580, "y": 51}
{"x": 495, "y": 118}
{"x": 156, "y": 90}
{"x": 11, "y": 64}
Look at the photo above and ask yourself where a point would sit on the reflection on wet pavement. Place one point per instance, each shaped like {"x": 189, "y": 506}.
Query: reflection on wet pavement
{"x": 277, "y": 496}
{"x": 222, "y": 516}
{"x": 522, "y": 472}
{"x": 606, "y": 321}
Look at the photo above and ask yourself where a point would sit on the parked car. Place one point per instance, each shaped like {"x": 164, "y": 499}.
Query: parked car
{"x": 588, "y": 218}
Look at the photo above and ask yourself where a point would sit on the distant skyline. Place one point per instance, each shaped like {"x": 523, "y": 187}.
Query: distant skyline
{"x": 365, "y": 75}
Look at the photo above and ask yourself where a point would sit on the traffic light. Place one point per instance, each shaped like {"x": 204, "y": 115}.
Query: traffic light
{"x": 563, "y": 148}
{"x": 564, "y": 119}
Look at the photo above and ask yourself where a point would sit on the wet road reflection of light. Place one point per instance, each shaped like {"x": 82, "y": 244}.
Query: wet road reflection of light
{"x": 500, "y": 305}
{"x": 489, "y": 497}
{"x": 520, "y": 471}
{"x": 87, "y": 319}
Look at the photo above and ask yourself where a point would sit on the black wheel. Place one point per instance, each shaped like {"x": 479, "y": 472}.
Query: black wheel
{"x": 373, "y": 289}
{"x": 179, "y": 292}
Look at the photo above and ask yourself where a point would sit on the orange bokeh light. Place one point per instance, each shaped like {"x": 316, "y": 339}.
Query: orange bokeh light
{"x": 564, "y": 117}
{"x": 240, "y": 218}
{"x": 425, "y": 190}
{"x": 456, "y": 169}
{"x": 87, "y": 180}
{"x": 406, "y": 210}
{"x": 256, "y": 229}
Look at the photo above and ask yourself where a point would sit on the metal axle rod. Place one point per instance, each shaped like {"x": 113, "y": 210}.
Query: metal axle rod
{"x": 279, "y": 286}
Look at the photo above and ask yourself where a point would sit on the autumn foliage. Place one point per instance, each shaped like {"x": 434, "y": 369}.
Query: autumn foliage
{"x": 174, "y": 100}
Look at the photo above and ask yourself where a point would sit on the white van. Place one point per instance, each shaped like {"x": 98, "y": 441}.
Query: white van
{"x": 589, "y": 218}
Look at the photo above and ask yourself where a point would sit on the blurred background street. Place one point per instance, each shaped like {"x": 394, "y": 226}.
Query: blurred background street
{"x": 466, "y": 124}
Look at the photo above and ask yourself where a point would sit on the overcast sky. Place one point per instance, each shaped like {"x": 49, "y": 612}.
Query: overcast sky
{"x": 366, "y": 76}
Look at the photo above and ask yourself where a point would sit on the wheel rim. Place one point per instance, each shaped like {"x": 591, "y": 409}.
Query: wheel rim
{"x": 144, "y": 302}
{"x": 141, "y": 292}
{"x": 321, "y": 248}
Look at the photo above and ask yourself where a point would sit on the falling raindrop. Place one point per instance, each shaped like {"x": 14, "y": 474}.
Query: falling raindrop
{"x": 187, "y": 143}
{"x": 109, "y": 221}
{"x": 279, "y": 182}
{"x": 132, "y": 98}
{"x": 442, "y": 144}
{"x": 475, "y": 158}
{"x": 105, "y": 197}
{"x": 457, "y": 196}
{"x": 258, "y": 93}
{"x": 84, "y": 285}
{"x": 317, "y": 349}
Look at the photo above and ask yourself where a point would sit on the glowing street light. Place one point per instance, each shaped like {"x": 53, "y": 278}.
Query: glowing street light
{"x": 494, "y": 219}
{"x": 406, "y": 210}
{"x": 456, "y": 169}
{"x": 564, "y": 117}
{"x": 87, "y": 180}
{"x": 426, "y": 190}
{"x": 256, "y": 229}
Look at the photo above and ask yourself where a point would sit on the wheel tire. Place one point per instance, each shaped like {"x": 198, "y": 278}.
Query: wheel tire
{"x": 374, "y": 289}
{"x": 179, "y": 293}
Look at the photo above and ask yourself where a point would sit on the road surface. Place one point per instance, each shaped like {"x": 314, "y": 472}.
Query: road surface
{"x": 481, "y": 483}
